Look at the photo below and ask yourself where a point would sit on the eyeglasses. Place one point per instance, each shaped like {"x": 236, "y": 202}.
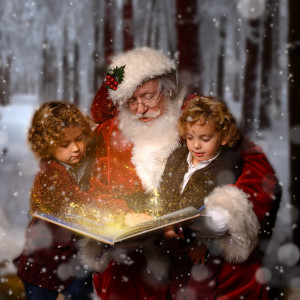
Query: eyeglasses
{"x": 147, "y": 100}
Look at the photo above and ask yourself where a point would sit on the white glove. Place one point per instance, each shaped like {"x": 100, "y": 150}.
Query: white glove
{"x": 212, "y": 227}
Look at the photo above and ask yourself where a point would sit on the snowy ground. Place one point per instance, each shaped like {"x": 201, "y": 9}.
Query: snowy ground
{"x": 18, "y": 167}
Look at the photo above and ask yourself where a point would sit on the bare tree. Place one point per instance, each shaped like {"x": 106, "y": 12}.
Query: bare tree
{"x": 127, "y": 25}
{"x": 5, "y": 79}
{"x": 1, "y": 82}
{"x": 48, "y": 80}
{"x": 97, "y": 57}
{"x": 266, "y": 91}
{"x": 251, "y": 77}
{"x": 187, "y": 45}
{"x": 65, "y": 66}
{"x": 220, "y": 82}
{"x": 76, "y": 83}
{"x": 109, "y": 23}
{"x": 294, "y": 105}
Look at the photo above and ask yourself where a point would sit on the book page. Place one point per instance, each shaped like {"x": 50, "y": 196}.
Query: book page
{"x": 96, "y": 231}
{"x": 159, "y": 222}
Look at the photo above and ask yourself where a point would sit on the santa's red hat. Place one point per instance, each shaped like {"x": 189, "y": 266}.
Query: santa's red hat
{"x": 126, "y": 72}
{"x": 139, "y": 65}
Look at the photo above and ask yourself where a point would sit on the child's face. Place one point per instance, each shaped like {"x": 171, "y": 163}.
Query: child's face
{"x": 71, "y": 148}
{"x": 203, "y": 142}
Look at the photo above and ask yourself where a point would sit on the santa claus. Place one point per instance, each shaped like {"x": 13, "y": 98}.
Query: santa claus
{"x": 137, "y": 109}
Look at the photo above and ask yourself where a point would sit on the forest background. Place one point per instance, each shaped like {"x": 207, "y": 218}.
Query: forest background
{"x": 245, "y": 52}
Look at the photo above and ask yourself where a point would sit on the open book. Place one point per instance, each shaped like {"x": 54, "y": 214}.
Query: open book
{"x": 111, "y": 235}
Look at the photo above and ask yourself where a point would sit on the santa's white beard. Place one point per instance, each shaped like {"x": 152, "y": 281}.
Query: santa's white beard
{"x": 153, "y": 141}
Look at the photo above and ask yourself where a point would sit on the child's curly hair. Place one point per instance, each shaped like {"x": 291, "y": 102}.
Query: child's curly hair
{"x": 202, "y": 109}
{"x": 48, "y": 122}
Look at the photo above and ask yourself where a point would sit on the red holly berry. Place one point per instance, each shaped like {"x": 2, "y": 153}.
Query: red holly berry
{"x": 114, "y": 77}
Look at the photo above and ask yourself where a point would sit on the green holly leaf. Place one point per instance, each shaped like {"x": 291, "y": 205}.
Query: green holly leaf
{"x": 118, "y": 73}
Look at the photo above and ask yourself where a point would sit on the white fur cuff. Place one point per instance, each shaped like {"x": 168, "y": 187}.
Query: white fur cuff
{"x": 94, "y": 296}
{"x": 94, "y": 255}
{"x": 243, "y": 225}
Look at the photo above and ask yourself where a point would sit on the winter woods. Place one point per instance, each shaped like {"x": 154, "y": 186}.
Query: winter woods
{"x": 233, "y": 50}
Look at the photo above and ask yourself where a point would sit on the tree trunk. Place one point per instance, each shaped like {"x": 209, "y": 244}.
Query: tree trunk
{"x": 7, "y": 78}
{"x": 251, "y": 77}
{"x": 2, "y": 82}
{"x": 109, "y": 31}
{"x": 154, "y": 26}
{"x": 76, "y": 84}
{"x": 169, "y": 21}
{"x": 294, "y": 57}
{"x": 188, "y": 45}
{"x": 52, "y": 77}
{"x": 220, "y": 82}
{"x": 65, "y": 67}
{"x": 48, "y": 80}
{"x": 127, "y": 25}
{"x": 97, "y": 76}
{"x": 266, "y": 92}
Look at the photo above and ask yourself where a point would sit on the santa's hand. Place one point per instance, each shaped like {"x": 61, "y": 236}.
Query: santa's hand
{"x": 132, "y": 219}
{"x": 169, "y": 232}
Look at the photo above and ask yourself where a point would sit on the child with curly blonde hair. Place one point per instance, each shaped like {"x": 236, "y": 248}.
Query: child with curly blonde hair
{"x": 49, "y": 264}
{"x": 204, "y": 162}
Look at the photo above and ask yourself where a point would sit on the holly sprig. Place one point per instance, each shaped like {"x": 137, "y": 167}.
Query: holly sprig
{"x": 114, "y": 77}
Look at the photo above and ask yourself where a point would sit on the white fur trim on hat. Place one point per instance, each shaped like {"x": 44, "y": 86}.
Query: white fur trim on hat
{"x": 140, "y": 64}
{"x": 243, "y": 225}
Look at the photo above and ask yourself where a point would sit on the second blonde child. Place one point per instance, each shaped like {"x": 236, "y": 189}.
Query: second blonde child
{"x": 202, "y": 163}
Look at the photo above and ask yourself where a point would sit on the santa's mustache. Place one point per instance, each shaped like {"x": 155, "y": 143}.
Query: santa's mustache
{"x": 153, "y": 114}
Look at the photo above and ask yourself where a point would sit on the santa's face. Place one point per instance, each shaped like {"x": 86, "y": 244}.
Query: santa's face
{"x": 147, "y": 102}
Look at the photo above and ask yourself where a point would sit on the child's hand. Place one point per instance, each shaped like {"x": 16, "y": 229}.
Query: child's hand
{"x": 169, "y": 232}
{"x": 171, "y": 239}
{"x": 197, "y": 253}
{"x": 132, "y": 219}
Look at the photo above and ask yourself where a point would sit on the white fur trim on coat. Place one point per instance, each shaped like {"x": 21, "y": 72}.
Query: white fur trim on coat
{"x": 94, "y": 255}
{"x": 243, "y": 225}
{"x": 140, "y": 64}
{"x": 94, "y": 296}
